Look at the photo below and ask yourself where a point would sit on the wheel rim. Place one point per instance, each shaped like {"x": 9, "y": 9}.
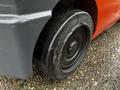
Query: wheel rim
{"x": 74, "y": 48}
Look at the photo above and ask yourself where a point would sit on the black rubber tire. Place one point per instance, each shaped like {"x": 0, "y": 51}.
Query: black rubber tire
{"x": 52, "y": 40}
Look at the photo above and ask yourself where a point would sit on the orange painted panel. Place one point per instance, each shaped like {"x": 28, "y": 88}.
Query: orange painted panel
{"x": 108, "y": 14}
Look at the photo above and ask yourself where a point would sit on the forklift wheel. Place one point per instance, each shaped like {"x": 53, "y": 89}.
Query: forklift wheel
{"x": 63, "y": 43}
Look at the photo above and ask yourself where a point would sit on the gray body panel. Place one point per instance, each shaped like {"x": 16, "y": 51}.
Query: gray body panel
{"x": 18, "y": 36}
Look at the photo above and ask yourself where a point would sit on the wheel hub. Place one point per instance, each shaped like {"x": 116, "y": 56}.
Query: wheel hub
{"x": 72, "y": 48}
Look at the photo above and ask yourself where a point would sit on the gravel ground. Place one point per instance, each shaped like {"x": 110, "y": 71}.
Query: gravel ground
{"x": 99, "y": 71}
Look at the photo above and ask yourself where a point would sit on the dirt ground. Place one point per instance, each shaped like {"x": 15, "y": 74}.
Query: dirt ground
{"x": 99, "y": 71}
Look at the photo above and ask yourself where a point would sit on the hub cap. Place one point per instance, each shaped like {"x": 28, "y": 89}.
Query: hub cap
{"x": 73, "y": 48}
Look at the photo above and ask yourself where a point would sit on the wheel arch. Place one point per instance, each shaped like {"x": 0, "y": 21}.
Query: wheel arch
{"x": 89, "y": 6}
